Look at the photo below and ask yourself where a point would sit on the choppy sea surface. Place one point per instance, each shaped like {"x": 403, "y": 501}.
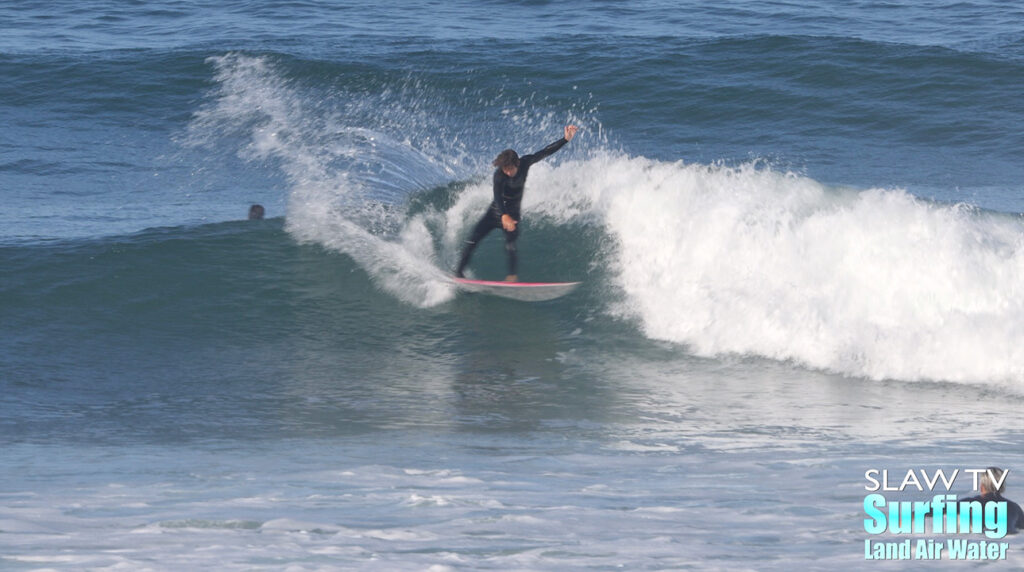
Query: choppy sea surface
{"x": 799, "y": 229}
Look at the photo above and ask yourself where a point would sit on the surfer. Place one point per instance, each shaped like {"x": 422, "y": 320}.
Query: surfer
{"x": 503, "y": 213}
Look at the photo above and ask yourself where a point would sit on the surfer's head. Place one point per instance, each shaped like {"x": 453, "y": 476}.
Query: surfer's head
{"x": 256, "y": 212}
{"x": 987, "y": 485}
{"x": 507, "y": 161}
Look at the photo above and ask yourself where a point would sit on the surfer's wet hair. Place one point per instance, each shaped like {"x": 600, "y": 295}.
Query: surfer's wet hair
{"x": 507, "y": 158}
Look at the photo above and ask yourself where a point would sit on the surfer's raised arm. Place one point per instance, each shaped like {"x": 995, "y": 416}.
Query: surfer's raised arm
{"x": 570, "y": 132}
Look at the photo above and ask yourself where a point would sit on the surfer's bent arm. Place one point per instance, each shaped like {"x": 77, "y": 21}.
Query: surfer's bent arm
{"x": 499, "y": 203}
{"x": 507, "y": 222}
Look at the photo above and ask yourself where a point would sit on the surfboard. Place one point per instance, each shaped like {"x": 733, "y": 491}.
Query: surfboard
{"x": 524, "y": 291}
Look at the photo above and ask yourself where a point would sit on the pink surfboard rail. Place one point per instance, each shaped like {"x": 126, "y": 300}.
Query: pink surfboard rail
{"x": 525, "y": 291}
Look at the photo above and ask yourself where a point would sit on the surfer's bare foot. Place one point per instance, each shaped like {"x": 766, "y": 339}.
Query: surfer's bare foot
{"x": 511, "y": 278}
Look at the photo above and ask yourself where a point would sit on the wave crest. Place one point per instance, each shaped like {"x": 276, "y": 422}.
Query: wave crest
{"x": 749, "y": 260}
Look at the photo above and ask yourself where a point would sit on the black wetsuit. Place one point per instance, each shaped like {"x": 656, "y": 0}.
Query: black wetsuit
{"x": 508, "y": 194}
{"x": 1014, "y": 514}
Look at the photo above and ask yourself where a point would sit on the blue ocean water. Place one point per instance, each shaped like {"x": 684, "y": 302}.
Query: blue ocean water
{"x": 799, "y": 228}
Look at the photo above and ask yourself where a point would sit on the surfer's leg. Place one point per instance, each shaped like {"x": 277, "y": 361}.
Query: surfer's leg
{"x": 482, "y": 228}
{"x": 513, "y": 254}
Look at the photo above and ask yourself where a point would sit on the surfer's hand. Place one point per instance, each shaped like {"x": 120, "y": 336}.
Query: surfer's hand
{"x": 570, "y": 132}
{"x": 508, "y": 223}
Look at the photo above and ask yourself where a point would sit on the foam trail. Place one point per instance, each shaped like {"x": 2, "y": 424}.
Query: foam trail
{"x": 748, "y": 260}
{"x": 403, "y": 267}
{"x": 338, "y": 196}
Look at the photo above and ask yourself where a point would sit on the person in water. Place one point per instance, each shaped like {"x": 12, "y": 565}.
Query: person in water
{"x": 503, "y": 213}
{"x": 991, "y": 492}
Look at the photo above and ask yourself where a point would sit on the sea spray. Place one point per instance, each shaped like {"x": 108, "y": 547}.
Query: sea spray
{"x": 344, "y": 173}
{"x": 722, "y": 259}
{"x": 352, "y": 157}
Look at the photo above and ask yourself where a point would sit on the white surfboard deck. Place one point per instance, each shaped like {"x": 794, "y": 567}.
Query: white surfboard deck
{"x": 524, "y": 291}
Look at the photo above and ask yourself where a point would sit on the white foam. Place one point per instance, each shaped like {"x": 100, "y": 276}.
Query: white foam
{"x": 726, "y": 260}
{"x": 749, "y": 260}
{"x": 336, "y": 168}
{"x": 290, "y": 525}
{"x": 400, "y": 535}
{"x": 432, "y": 500}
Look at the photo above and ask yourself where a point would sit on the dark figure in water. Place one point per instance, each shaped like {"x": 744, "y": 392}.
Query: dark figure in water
{"x": 256, "y": 212}
{"x": 992, "y": 491}
{"x": 503, "y": 213}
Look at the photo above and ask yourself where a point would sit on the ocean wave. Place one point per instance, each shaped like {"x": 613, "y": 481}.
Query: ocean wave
{"x": 720, "y": 258}
{"x": 740, "y": 258}
{"x": 750, "y": 260}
